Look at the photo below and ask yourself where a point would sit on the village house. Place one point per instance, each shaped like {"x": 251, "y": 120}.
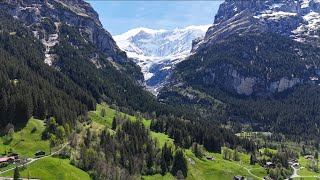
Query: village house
{"x": 7, "y": 160}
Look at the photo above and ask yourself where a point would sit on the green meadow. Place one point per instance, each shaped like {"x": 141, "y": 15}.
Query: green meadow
{"x": 26, "y": 141}
{"x": 51, "y": 168}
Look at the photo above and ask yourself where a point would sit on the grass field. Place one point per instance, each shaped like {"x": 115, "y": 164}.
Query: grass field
{"x": 25, "y": 142}
{"x": 305, "y": 172}
{"x": 220, "y": 168}
{"x": 162, "y": 138}
{"x": 51, "y": 168}
{"x": 159, "y": 177}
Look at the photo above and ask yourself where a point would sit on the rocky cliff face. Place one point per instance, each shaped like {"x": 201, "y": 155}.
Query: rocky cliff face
{"x": 227, "y": 77}
{"x": 299, "y": 20}
{"x": 44, "y": 18}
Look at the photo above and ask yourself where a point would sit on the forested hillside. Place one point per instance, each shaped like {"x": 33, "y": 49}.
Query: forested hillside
{"x": 30, "y": 87}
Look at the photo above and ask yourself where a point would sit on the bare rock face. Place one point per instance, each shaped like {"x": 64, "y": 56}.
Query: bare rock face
{"x": 76, "y": 13}
{"x": 227, "y": 77}
{"x": 284, "y": 84}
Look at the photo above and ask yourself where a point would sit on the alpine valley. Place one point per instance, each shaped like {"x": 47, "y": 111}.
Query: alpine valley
{"x": 236, "y": 99}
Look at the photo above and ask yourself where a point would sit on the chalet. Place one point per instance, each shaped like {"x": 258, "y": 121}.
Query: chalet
{"x": 40, "y": 153}
{"x": 270, "y": 165}
{"x": 238, "y": 177}
{"x": 7, "y": 160}
{"x": 296, "y": 165}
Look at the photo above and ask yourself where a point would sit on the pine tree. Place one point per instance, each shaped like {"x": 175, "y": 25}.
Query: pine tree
{"x": 16, "y": 174}
{"x": 114, "y": 123}
{"x": 179, "y": 163}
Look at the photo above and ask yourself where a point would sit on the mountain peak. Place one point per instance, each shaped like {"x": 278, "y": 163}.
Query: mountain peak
{"x": 296, "y": 19}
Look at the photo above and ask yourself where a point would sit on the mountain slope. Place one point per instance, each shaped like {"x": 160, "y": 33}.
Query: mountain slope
{"x": 252, "y": 68}
{"x": 157, "y": 51}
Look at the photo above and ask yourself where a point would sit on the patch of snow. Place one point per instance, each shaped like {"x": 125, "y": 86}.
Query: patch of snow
{"x": 274, "y": 15}
{"x": 275, "y": 6}
{"x": 305, "y": 4}
{"x": 310, "y": 25}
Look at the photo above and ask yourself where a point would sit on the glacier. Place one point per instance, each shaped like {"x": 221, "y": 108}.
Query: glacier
{"x": 158, "y": 51}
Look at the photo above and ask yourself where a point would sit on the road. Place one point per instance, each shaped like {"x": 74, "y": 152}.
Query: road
{"x": 36, "y": 159}
{"x": 296, "y": 175}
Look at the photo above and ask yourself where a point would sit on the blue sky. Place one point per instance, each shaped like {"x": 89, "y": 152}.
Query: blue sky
{"x": 120, "y": 16}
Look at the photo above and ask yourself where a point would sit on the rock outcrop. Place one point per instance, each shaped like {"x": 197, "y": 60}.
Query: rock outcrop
{"x": 297, "y": 19}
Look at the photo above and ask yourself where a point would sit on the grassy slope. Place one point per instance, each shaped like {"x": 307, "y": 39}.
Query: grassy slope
{"x": 220, "y": 168}
{"x": 111, "y": 113}
{"x": 305, "y": 171}
{"x": 51, "y": 168}
{"x": 203, "y": 168}
{"x": 26, "y": 143}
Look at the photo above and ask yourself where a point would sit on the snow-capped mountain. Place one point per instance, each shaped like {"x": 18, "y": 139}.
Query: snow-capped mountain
{"x": 157, "y": 51}
{"x": 298, "y": 19}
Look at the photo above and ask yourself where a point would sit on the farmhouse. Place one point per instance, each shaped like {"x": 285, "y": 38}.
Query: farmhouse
{"x": 7, "y": 160}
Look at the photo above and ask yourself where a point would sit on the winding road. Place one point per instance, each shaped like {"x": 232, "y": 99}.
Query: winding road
{"x": 296, "y": 175}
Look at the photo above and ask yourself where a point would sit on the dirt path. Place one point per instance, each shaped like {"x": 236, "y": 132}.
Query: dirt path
{"x": 248, "y": 170}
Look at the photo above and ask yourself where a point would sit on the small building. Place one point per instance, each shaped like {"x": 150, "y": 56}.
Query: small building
{"x": 308, "y": 157}
{"x": 7, "y": 160}
{"x": 270, "y": 165}
{"x": 15, "y": 155}
{"x": 238, "y": 177}
{"x": 296, "y": 165}
{"x": 40, "y": 153}
{"x": 209, "y": 157}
